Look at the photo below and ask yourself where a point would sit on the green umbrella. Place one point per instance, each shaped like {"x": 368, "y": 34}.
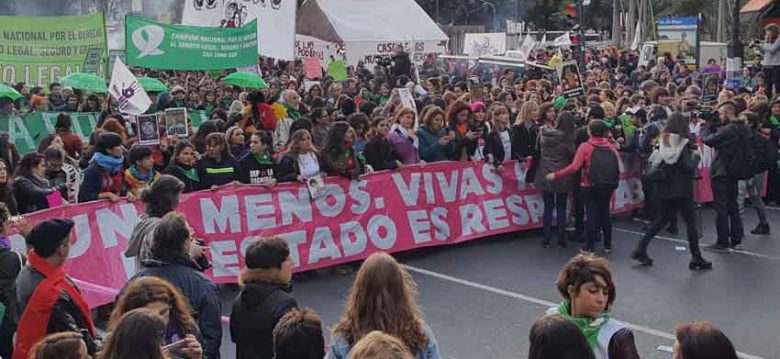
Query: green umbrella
{"x": 86, "y": 82}
{"x": 152, "y": 85}
{"x": 9, "y": 92}
{"x": 245, "y": 79}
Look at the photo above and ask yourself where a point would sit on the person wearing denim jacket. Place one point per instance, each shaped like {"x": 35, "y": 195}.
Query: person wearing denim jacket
{"x": 339, "y": 348}
{"x": 383, "y": 297}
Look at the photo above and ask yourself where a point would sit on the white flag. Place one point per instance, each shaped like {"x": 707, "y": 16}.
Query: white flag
{"x": 637, "y": 36}
{"x": 563, "y": 40}
{"x": 525, "y": 49}
{"x": 129, "y": 94}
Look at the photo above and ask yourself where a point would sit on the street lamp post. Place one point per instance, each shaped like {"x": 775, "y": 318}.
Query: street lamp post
{"x": 735, "y": 46}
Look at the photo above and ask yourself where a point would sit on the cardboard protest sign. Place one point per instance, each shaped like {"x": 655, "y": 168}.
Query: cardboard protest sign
{"x": 313, "y": 68}
{"x": 148, "y": 129}
{"x": 176, "y": 122}
{"x": 570, "y": 79}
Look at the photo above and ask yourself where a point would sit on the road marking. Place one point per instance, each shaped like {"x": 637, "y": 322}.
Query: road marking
{"x": 675, "y": 240}
{"x": 542, "y": 302}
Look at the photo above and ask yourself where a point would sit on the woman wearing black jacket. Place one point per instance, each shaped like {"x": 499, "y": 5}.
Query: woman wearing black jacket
{"x": 338, "y": 157}
{"x": 181, "y": 166}
{"x": 30, "y": 184}
{"x": 464, "y": 143}
{"x": 378, "y": 152}
{"x": 525, "y": 131}
{"x": 677, "y": 161}
{"x": 217, "y": 167}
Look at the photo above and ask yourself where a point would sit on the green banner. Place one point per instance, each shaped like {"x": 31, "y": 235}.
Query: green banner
{"x": 177, "y": 47}
{"x": 28, "y": 130}
{"x": 39, "y": 50}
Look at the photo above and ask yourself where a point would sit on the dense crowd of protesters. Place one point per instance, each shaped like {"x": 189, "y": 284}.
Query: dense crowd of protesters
{"x": 294, "y": 130}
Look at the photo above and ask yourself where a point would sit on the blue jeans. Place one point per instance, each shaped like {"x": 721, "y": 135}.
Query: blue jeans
{"x": 753, "y": 186}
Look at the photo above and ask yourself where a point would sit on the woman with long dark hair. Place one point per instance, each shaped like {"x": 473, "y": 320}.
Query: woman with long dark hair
{"x": 338, "y": 156}
{"x": 205, "y": 129}
{"x": 31, "y": 187}
{"x": 465, "y": 138}
{"x": 217, "y": 167}
{"x": 673, "y": 167}
{"x": 72, "y": 143}
{"x": 383, "y": 297}
{"x": 163, "y": 298}
{"x": 378, "y": 152}
{"x": 259, "y": 166}
{"x": 557, "y": 151}
{"x": 182, "y": 166}
{"x": 321, "y": 121}
{"x": 140, "y": 334}
{"x": 6, "y": 188}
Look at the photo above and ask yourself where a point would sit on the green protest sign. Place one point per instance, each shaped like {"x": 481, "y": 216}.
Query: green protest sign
{"x": 27, "y": 131}
{"x": 177, "y": 47}
{"x": 39, "y": 50}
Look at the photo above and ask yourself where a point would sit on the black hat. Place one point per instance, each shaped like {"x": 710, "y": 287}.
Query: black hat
{"x": 775, "y": 102}
{"x": 267, "y": 253}
{"x": 49, "y": 235}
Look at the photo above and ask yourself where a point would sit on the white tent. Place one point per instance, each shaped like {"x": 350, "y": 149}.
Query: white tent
{"x": 371, "y": 27}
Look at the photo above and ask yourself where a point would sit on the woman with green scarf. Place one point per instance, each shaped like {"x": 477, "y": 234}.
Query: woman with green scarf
{"x": 258, "y": 166}
{"x": 588, "y": 292}
{"x": 182, "y": 166}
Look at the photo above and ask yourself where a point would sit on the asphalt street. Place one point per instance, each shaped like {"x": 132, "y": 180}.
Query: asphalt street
{"x": 481, "y": 297}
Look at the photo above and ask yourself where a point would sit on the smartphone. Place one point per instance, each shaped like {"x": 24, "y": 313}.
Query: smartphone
{"x": 175, "y": 346}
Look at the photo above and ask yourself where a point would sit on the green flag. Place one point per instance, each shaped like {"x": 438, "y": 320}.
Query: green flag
{"x": 38, "y": 50}
{"x": 338, "y": 70}
{"x": 177, "y": 47}
{"x": 27, "y": 131}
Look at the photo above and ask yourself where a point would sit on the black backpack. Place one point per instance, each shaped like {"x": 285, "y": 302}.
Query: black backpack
{"x": 766, "y": 153}
{"x": 604, "y": 171}
{"x": 743, "y": 163}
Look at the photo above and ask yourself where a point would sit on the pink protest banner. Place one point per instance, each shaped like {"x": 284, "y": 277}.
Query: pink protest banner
{"x": 313, "y": 68}
{"x": 438, "y": 204}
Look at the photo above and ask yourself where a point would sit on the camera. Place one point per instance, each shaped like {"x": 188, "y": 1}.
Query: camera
{"x": 708, "y": 116}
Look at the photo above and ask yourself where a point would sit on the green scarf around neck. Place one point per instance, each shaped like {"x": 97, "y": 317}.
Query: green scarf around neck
{"x": 610, "y": 122}
{"x": 589, "y": 326}
{"x": 775, "y": 121}
{"x": 191, "y": 173}
{"x": 293, "y": 113}
{"x": 264, "y": 159}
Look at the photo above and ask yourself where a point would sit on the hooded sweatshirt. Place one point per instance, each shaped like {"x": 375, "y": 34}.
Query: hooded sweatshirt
{"x": 681, "y": 165}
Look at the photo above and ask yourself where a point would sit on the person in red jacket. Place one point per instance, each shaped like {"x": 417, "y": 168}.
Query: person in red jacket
{"x": 598, "y": 196}
{"x": 73, "y": 144}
